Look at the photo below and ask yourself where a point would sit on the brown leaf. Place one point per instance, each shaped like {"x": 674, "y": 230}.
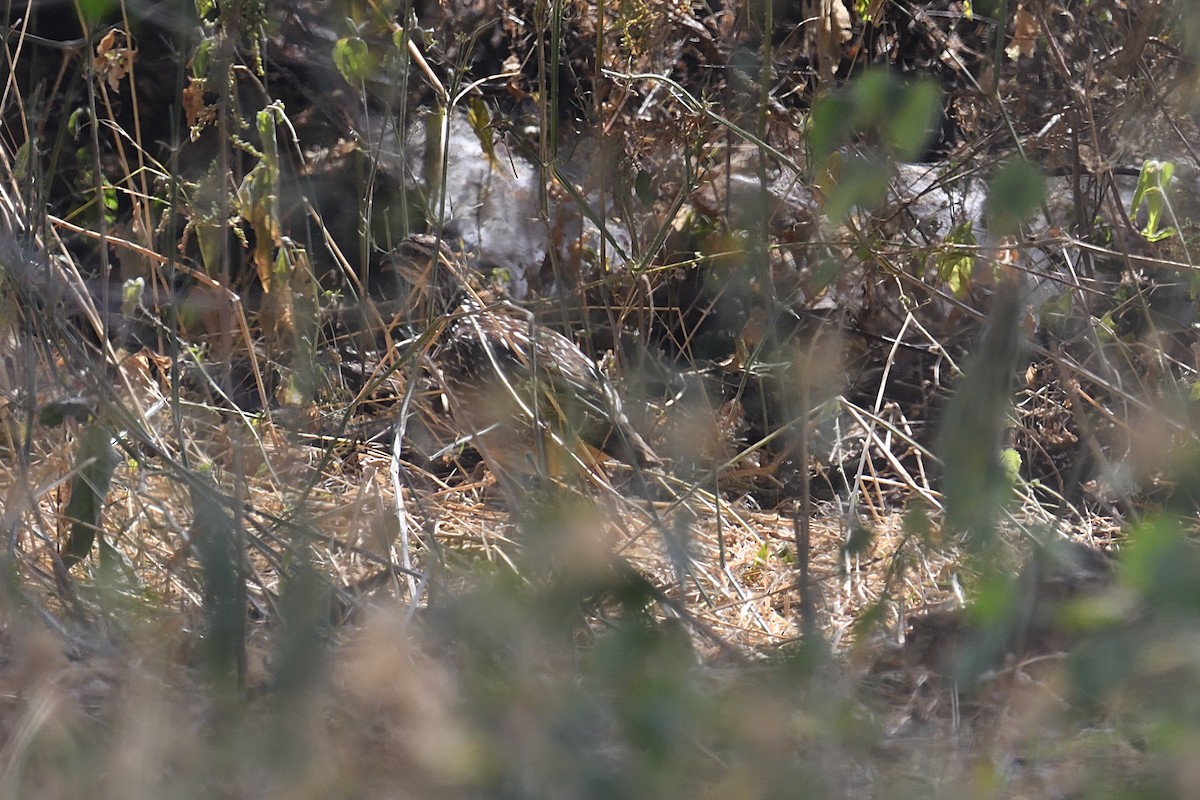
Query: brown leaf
{"x": 1024, "y": 38}
{"x": 193, "y": 101}
{"x": 107, "y": 43}
{"x": 113, "y": 62}
{"x": 832, "y": 34}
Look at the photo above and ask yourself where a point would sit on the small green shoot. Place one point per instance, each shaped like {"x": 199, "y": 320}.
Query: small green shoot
{"x": 1152, "y": 184}
{"x": 955, "y": 262}
{"x": 96, "y": 459}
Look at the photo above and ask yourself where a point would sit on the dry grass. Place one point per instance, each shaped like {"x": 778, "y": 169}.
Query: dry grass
{"x": 285, "y": 601}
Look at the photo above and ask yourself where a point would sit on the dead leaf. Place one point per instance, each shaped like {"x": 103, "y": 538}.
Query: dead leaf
{"x": 193, "y": 102}
{"x": 113, "y": 62}
{"x": 838, "y": 20}
{"x": 832, "y": 34}
{"x": 1024, "y": 38}
{"x": 107, "y": 43}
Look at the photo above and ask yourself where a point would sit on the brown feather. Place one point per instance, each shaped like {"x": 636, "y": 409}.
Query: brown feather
{"x": 531, "y": 400}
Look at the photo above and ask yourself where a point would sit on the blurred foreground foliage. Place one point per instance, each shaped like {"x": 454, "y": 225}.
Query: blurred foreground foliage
{"x": 190, "y": 610}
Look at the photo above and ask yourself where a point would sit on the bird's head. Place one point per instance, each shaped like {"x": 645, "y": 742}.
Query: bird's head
{"x": 432, "y": 275}
{"x": 436, "y": 279}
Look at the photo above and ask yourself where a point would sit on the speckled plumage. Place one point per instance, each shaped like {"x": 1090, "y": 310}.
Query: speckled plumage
{"x": 532, "y": 402}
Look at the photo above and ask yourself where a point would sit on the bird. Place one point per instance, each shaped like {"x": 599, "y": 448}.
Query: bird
{"x": 528, "y": 399}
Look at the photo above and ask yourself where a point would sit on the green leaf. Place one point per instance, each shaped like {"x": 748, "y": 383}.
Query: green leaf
{"x": 975, "y": 483}
{"x": 215, "y": 540}
{"x": 21, "y": 167}
{"x": 79, "y": 117}
{"x": 643, "y": 187}
{"x": 131, "y": 295}
{"x": 884, "y": 109}
{"x": 352, "y": 58}
{"x": 1010, "y": 463}
{"x": 871, "y": 95}
{"x": 210, "y": 238}
{"x": 860, "y": 182}
{"x": 481, "y": 123}
{"x": 1160, "y": 563}
{"x": 1015, "y": 191}
{"x": 96, "y": 459}
{"x": 956, "y": 265}
{"x": 258, "y": 194}
{"x": 1153, "y": 180}
{"x": 108, "y": 194}
{"x": 1145, "y": 181}
{"x": 994, "y": 600}
{"x": 266, "y": 122}
{"x": 832, "y": 120}
{"x": 910, "y": 116}
{"x": 93, "y": 11}
{"x": 203, "y": 58}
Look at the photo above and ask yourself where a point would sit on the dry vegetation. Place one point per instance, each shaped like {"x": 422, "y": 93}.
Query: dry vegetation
{"x": 901, "y": 294}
